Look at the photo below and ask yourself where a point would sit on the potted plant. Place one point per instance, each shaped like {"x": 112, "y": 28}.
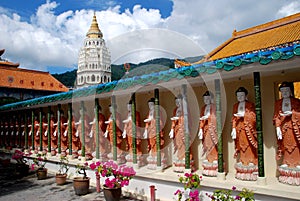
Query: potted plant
{"x": 115, "y": 178}
{"x": 39, "y": 164}
{"x": 191, "y": 187}
{"x": 226, "y": 195}
{"x": 61, "y": 175}
{"x": 21, "y": 167}
{"x": 81, "y": 184}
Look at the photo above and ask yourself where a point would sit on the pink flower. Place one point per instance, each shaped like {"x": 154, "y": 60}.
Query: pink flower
{"x": 177, "y": 192}
{"x": 32, "y": 166}
{"x": 93, "y": 166}
{"x": 194, "y": 195}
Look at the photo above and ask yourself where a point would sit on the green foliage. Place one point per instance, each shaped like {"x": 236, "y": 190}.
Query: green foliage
{"x": 67, "y": 78}
{"x": 63, "y": 165}
{"x": 226, "y": 195}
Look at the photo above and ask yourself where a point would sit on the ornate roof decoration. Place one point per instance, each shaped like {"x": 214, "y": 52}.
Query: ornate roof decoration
{"x": 287, "y": 49}
{"x": 272, "y": 34}
{"x": 5, "y": 63}
{"x": 94, "y": 31}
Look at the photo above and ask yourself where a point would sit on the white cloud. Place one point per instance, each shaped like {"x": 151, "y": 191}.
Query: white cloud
{"x": 291, "y": 8}
{"x": 51, "y": 39}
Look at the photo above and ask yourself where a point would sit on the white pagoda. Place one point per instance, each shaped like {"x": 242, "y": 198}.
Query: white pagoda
{"x": 94, "y": 62}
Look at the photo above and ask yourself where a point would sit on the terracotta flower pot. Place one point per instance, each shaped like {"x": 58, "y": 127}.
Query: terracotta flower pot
{"x": 112, "y": 194}
{"x": 41, "y": 173}
{"x": 60, "y": 179}
{"x": 81, "y": 185}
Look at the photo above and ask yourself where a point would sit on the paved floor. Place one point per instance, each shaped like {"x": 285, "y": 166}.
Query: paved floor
{"x": 13, "y": 188}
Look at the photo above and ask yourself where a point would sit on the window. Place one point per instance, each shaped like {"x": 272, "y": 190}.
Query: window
{"x": 93, "y": 78}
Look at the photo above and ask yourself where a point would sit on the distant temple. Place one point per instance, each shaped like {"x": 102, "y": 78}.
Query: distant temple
{"x": 18, "y": 84}
{"x": 94, "y": 59}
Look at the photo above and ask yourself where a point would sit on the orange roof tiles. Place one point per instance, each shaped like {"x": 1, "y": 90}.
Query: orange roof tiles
{"x": 271, "y": 34}
{"x": 29, "y": 79}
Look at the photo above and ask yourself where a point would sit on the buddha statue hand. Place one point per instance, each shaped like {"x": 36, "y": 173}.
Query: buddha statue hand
{"x": 54, "y": 134}
{"x": 46, "y": 132}
{"x": 145, "y": 135}
{"x": 65, "y": 133}
{"x": 147, "y": 120}
{"x": 106, "y": 133}
{"x": 23, "y": 133}
{"x": 37, "y": 133}
{"x": 204, "y": 117}
{"x": 200, "y": 134}
{"x": 124, "y": 134}
{"x": 286, "y": 113}
{"x": 29, "y": 133}
{"x": 174, "y": 118}
{"x": 17, "y": 133}
{"x": 171, "y": 134}
{"x": 279, "y": 133}
{"x": 126, "y": 121}
{"x": 92, "y": 122}
{"x": 76, "y": 134}
{"x": 91, "y": 134}
{"x": 233, "y": 134}
{"x": 107, "y": 122}
{"x": 239, "y": 114}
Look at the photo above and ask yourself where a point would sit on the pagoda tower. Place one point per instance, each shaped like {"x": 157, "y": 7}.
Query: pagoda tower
{"x": 94, "y": 63}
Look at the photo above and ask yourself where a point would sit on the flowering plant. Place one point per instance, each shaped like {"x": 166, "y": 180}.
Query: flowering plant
{"x": 192, "y": 184}
{"x": 19, "y": 157}
{"x": 40, "y": 161}
{"x": 226, "y": 195}
{"x": 81, "y": 169}
{"x": 63, "y": 165}
{"x": 116, "y": 176}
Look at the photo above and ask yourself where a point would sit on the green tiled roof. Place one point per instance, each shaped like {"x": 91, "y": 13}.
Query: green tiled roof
{"x": 264, "y": 57}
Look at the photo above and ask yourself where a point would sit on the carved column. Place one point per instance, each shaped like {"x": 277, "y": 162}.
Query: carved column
{"x": 133, "y": 117}
{"x": 58, "y": 129}
{"x": 70, "y": 127}
{"x": 113, "y": 106}
{"x": 258, "y": 110}
{"x": 82, "y": 129}
{"x": 186, "y": 127}
{"x": 97, "y": 127}
{"x": 32, "y": 129}
{"x": 48, "y": 129}
{"x": 157, "y": 121}
{"x": 219, "y": 126}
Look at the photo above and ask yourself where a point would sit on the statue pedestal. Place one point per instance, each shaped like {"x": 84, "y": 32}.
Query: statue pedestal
{"x": 152, "y": 163}
{"x": 120, "y": 158}
{"x": 179, "y": 165}
{"x": 210, "y": 169}
{"x": 140, "y": 160}
{"x": 289, "y": 175}
{"x": 248, "y": 173}
{"x": 221, "y": 176}
{"x": 262, "y": 181}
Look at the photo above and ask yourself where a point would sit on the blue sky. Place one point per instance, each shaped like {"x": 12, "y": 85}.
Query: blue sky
{"x": 26, "y": 8}
{"x": 47, "y": 35}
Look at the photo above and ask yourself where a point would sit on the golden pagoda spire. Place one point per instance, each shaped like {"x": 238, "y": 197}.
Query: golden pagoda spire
{"x": 94, "y": 31}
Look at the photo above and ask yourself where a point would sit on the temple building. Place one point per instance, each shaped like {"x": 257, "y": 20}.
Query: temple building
{"x": 94, "y": 64}
{"x": 17, "y": 84}
{"x": 246, "y": 135}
